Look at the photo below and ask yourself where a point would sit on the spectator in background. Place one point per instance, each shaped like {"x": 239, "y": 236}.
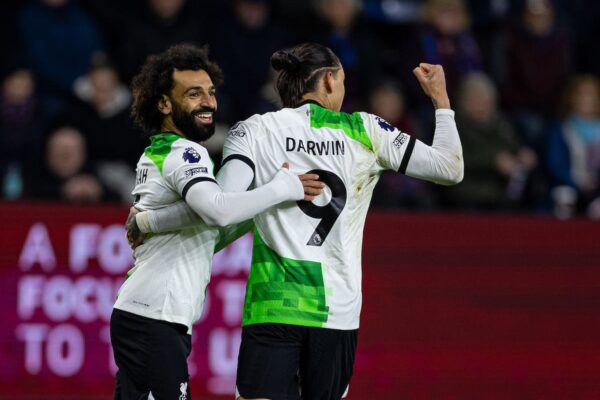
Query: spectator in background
{"x": 489, "y": 19}
{"x": 243, "y": 45}
{"x": 574, "y": 150}
{"x": 497, "y": 168}
{"x": 58, "y": 38}
{"x": 397, "y": 190}
{"x": 393, "y": 11}
{"x": 102, "y": 115}
{"x": 387, "y": 101}
{"x": 347, "y": 35}
{"x": 446, "y": 39}
{"x": 21, "y": 123}
{"x": 67, "y": 174}
{"x": 112, "y": 16}
{"x": 537, "y": 58}
{"x": 160, "y": 24}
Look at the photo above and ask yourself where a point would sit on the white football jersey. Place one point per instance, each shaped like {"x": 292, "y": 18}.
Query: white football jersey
{"x": 171, "y": 270}
{"x": 306, "y": 263}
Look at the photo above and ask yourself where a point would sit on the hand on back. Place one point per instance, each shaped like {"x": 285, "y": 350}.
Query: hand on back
{"x": 312, "y": 186}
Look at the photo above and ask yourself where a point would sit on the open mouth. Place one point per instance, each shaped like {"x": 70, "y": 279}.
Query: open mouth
{"x": 204, "y": 118}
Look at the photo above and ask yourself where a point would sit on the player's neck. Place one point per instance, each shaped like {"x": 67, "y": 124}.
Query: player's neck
{"x": 314, "y": 97}
{"x": 168, "y": 126}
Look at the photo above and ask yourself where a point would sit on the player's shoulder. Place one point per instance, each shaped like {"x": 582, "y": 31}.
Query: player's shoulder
{"x": 324, "y": 117}
{"x": 183, "y": 142}
{"x": 285, "y": 118}
{"x": 376, "y": 123}
{"x": 356, "y": 126}
{"x": 165, "y": 143}
{"x": 249, "y": 126}
{"x": 377, "y": 127}
{"x": 251, "y": 129}
{"x": 184, "y": 151}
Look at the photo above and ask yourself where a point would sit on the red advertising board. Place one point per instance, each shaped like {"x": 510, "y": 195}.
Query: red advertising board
{"x": 482, "y": 307}
{"x": 60, "y": 269}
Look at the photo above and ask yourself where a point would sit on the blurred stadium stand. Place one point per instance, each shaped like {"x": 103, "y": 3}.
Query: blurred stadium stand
{"x": 68, "y": 63}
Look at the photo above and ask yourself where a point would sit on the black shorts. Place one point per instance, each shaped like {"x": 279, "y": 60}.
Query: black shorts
{"x": 289, "y": 362}
{"x": 151, "y": 356}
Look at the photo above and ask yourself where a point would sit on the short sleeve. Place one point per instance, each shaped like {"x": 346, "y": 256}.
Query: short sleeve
{"x": 238, "y": 144}
{"x": 188, "y": 163}
{"x": 392, "y": 147}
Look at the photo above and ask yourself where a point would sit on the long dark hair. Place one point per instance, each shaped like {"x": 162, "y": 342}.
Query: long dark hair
{"x": 300, "y": 68}
{"x": 156, "y": 79}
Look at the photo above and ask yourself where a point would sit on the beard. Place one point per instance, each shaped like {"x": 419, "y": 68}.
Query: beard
{"x": 187, "y": 124}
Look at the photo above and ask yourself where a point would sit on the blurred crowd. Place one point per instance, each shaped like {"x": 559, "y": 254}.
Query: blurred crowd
{"x": 523, "y": 77}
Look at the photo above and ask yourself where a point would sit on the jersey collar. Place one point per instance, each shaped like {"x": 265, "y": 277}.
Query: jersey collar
{"x": 309, "y": 101}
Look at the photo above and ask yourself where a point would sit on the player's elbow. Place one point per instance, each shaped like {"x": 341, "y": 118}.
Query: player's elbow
{"x": 455, "y": 172}
{"x": 459, "y": 173}
{"x": 213, "y": 214}
{"x": 456, "y": 178}
{"x": 218, "y": 218}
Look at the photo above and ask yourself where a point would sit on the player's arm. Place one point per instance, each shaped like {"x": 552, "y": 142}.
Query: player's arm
{"x": 234, "y": 176}
{"x": 219, "y": 208}
{"x": 442, "y": 162}
{"x": 227, "y": 202}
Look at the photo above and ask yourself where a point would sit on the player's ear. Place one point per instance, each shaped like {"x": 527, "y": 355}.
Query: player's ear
{"x": 328, "y": 79}
{"x": 164, "y": 105}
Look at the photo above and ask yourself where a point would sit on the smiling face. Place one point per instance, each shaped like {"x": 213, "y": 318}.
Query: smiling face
{"x": 191, "y": 104}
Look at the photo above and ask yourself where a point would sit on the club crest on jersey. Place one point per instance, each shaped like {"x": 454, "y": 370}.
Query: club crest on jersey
{"x": 191, "y": 155}
{"x": 384, "y": 124}
{"x": 183, "y": 389}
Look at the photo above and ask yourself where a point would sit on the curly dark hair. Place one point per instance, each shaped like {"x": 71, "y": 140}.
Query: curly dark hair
{"x": 156, "y": 78}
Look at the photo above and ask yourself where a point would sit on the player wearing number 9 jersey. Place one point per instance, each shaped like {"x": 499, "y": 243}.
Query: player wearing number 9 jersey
{"x": 303, "y": 297}
{"x": 306, "y": 267}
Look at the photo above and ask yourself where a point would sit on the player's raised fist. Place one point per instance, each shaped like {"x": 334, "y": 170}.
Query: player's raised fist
{"x": 433, "y": 82}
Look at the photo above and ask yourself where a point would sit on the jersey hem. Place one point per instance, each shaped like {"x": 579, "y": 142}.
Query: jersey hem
{"x": 287, "y": 321}
{"x": 141, "y": 312}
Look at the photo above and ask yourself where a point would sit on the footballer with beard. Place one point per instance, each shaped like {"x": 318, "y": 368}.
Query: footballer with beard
{"x": 163, "y": 294}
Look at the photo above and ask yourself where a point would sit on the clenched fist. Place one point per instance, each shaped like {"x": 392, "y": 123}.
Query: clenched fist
{"x": 432, "y": 80}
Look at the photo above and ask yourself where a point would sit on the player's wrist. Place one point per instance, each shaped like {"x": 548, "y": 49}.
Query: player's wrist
{"x": 440, "y": 101}
{"x": 287, "y": 186}
{"x": 142, "y": 220}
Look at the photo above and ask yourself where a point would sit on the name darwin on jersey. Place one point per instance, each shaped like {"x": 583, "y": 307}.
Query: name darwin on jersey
{"x": 324, "y": 148}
